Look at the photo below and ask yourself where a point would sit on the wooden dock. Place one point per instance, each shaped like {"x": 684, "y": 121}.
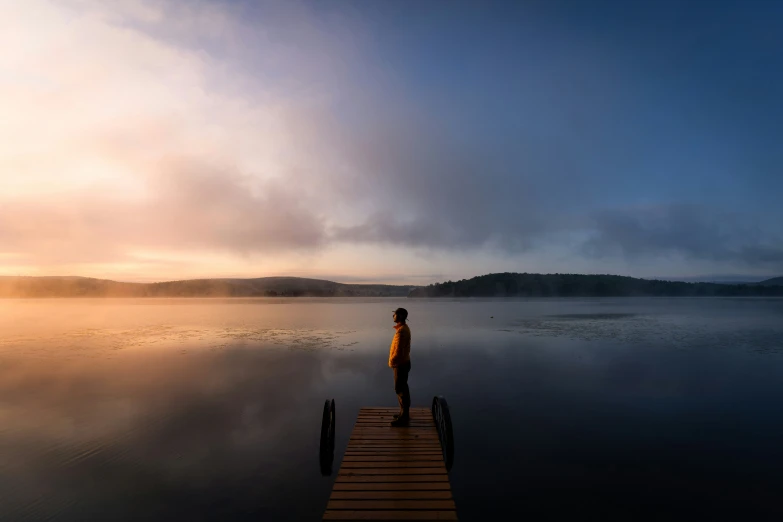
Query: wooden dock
{"x": 392, "y": 473}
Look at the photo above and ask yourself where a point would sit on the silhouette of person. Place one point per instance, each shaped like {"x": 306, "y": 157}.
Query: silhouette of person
{"x": 400, "y": 362}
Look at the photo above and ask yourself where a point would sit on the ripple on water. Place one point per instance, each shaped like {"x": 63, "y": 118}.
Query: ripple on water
{"x": 96, "y": 342}
{"x": 664, "y": 330}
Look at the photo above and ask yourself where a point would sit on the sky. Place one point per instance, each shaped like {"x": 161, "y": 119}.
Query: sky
{"x": 386, "y": 141}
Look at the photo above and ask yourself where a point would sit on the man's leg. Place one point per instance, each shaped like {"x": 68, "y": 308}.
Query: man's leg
{"x": 405, "y": 398}
{"x": 396, "y": 388}
{"x": 403, "y": 394}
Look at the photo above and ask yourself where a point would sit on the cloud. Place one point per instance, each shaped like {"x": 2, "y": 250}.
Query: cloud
{"x": 122, "y": 139}
{"x": 138, "y": 129}
{"x": 431, "y": 190}
{"x": 697, "y": 232}
{"x": 191, "y": 206}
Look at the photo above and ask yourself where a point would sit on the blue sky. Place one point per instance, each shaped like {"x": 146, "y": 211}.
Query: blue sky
{"x": 398, "y": 141}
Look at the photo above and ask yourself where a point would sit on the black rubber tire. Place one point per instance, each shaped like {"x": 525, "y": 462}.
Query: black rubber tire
{"x": 326, "y": 452}
{"x": 445, "y": 430}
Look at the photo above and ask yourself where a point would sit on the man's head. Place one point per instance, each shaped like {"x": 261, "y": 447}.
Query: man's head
{"x": 400, "y": 315}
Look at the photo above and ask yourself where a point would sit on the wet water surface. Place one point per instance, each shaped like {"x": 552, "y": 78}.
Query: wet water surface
{"x": 641, "y": 409}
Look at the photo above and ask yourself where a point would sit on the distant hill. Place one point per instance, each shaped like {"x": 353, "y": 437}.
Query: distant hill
{"x": 728, "y": 279}
{"x": 575, "y": 285}
{"x": 775, "y": 281}
{"x": 28, "y": 287}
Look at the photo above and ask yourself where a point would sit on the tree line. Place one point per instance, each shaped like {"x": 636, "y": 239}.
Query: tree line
{"x": 511, "y": 284}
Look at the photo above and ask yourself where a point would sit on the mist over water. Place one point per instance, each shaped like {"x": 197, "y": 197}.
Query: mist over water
{"x": 209, "y": 409}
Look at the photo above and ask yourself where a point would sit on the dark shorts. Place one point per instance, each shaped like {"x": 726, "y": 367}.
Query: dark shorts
{"x": 401, "y": 377}
{"x": 401, "y": 385}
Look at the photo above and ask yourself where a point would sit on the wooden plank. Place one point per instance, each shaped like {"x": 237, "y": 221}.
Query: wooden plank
{"x": 398, "y": 432}
{"x": 392, "y": 458}
{"x": 396, "y": 429}
{"x": 393, "y": 464}
{"x": 393, "y": 443}
{"x": 378, "y": 419}
{"x": 439, "y": 477}
{"x": 392, "y": 455}
{"x": 394, "y": 440}
{"x": 392, "y": 448}
{"x": 379, "y": 439}
{"x": 381, "y": 418}
{"x": 395, "y": 411}
{"x": 392, "y": 471}
{"x": 398, "y": 438}
{"x": 368, "y": 455}
{"x": 394, "y": 434}
{"x": 390, "y": 408}
{"x": 395, "y": 446}
{"x": 400, "y": 445}
{"x": 397, "y": 463}
{"x": 415, "y": 416}
{"x": 364, "y": 450}
{"x": 390, "y": 515}
{"x": 393, "y": 451}
{"x": 398, "y": 442}
{"x": 391, "y": 495}
{"x": 391, "y": 411}
{"x": 382, "y": 426}
{"x": 386, "y": 429}
{"x": 385, "y": 426}
{"x": 391, "y": 486}
{"x": 384, "y": 422}
{"x": 439, "y": 505}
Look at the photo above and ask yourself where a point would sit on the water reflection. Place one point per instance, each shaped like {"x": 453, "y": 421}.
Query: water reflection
{"x": 161, "y": 437}
{"x": 549, "y": 426}
{"x": 326, "y": 444}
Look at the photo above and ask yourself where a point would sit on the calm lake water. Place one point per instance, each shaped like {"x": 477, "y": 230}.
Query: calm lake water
{"x": 210, "y": 409}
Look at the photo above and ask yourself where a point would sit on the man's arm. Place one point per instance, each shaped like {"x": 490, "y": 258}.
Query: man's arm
{"x": 404, "y": 344}
{"x": 394, "y": 351}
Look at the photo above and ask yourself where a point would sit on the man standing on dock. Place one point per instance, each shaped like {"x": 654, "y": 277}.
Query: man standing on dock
{"x": 400, "y": 362}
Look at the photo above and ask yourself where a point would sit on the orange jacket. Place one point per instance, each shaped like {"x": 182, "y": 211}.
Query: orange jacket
{"x": 400, "y": 350}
